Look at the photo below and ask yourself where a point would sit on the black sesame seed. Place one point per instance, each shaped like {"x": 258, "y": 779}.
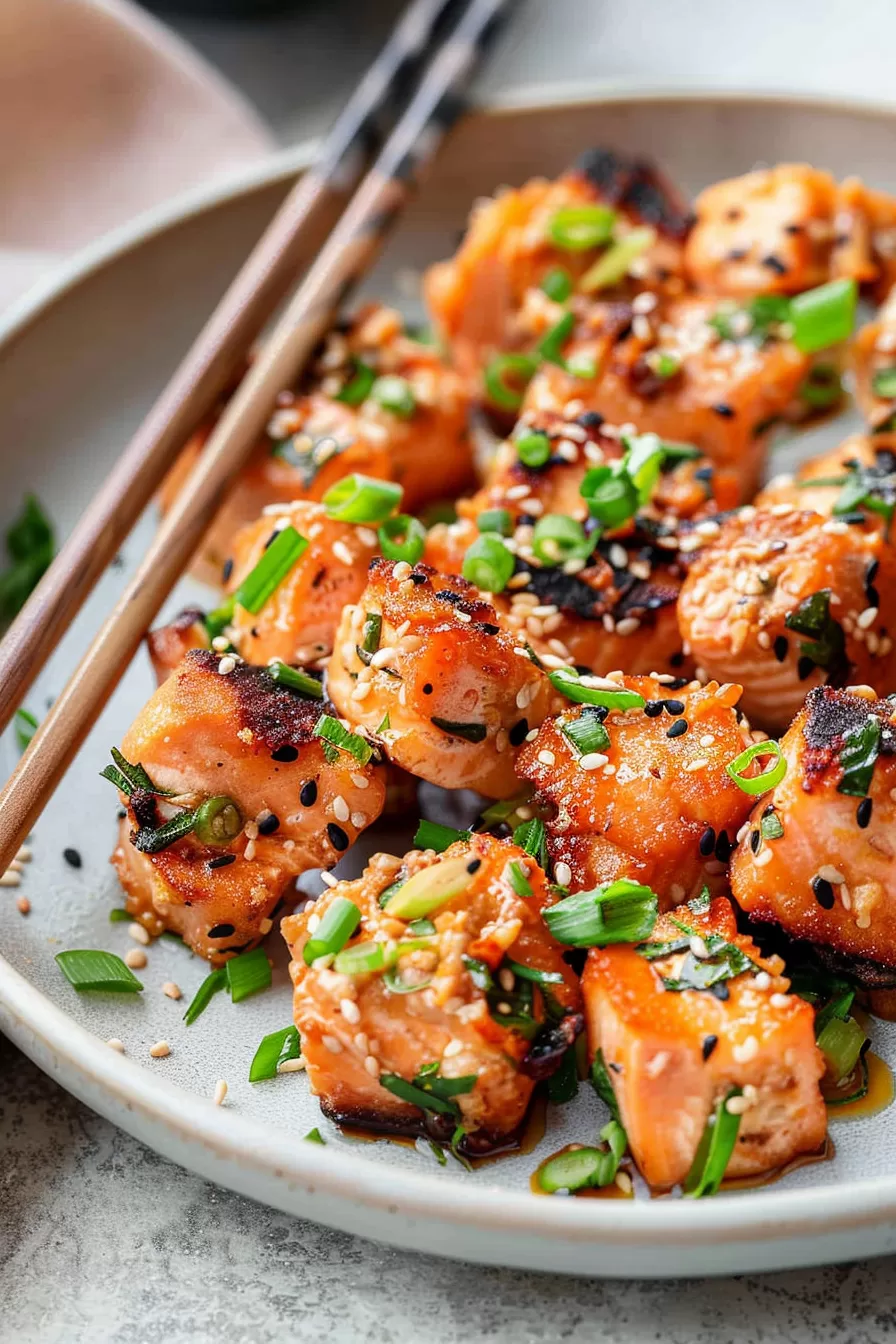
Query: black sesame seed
{"x": 723, "y": 847}
{"x": 707, "y": 842}
{"x": 724, "y": 410}
{"x": 269, "y": 825}
{"x": 121, "y": 814}
{"x": 677, "y": 658}
{"x": 488, "y": 629}
{"x": 272, "y": 538}
{"x": 678, "y": 729}
{"x": 676, "y": 683}
{"x": 872, "y": 595}
{"x": 871, "y": 571}
{"x": 709, "y": 1044}
{"x": 427, "y": 688}
{"x": 308, "y": 793}
{"x": 673, "y": 706}
{"x": 823, "y": 892}
{"x": 72, "y": 858}
{"x": 227, "y": 570}
{"x": 338, "y": 837}
{"x": 804, "y": 668}
{"x": 286, "y": 753}
{"x": 418, "y": 579}
{"x": 863, "y": 812}
{"x": 755, "y": 841}
{"x": 738, "y": 253}
{"x": 473, "y": 866}
{"x": 720, "y": 990}
{"x": 222, "y": 861}
{"x": 519, "y": 732}
{"x": 653, "y": 709}
{"x": 222, "y": 931}
{"x": 590, "y": 419}
{"x": 774, "y": 264}
{"x": 780, "y": 647}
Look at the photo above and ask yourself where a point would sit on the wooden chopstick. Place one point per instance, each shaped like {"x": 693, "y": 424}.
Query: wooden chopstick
{"x": 348, "y": 253}
{"x": 291, "y": 239}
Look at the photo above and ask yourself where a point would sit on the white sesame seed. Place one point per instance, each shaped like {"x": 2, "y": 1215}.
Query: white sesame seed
{"x": 699, "y": 764}
{"x": 707, "y": 740}
{"x": 332, "y": 1044}
{"x": 116, "y": 1044}
{"x": 160, "y": 1049}
{"x": 698, "y": 947}
{"x": 451, "y": 1049}
{"x": 329, "y": 881}
{"x": 507, "y": 980}
{"x": 401, "y": 570}
{"x": 341, "y": 809}
{"x": 628, "y": 625}
{"x": 547, "y": 757}
{"x": 563, "y": 874}
{"x": 748, "y": 1049}
{"x": 779, "y": 1000}
{"x": 371, "y": 1064}
{"x": 737, "y": 1105}
{"x": 592, "y": 760}
{"x": 10, "y": 879}
{"x": 23, "y": 854}
{"x": 350, "y": 1011}
{"x": 762, "y": 858}
{"x": 139, "y": 934}
{"x": 291, "y": 1066}
{"x": 831, "y": 874}
{"x": 172, "y": 990}
{"x": 220, "y": 1091}
{"x": 136, "y": 958}
{"x": 866, "y": 617}
{"x": 314, "y": 920}
{"x": 227, "y": 664}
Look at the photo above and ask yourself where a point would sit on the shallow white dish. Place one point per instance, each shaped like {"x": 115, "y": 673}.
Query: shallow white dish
{"x": 77, "y": 370}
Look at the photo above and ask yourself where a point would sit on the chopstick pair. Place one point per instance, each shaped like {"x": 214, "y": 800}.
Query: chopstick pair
{"x": 349, "y": 251}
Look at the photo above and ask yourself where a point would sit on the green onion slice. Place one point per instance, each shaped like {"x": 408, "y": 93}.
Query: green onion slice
{"x": 550, "y": 347}
{"x": 563, "y": 1085}
{"x": 295, "y": 679}
{"x": 771, "y": 827}
{"x": 402, "y": 538}
{"x": 533, "y": 449}
{"x": 622, "y": 912}
{"x": 532, "y": 973}
{"x": 714, "y": 1150}
{"x": 557, "y": 538}
{"x": 396, "y": 395}
{"x": 586, "y": 733}
{"x": 331, "y": 730}
{"x": 339, "y": 922}
{"x": 273, "y": 1050}
{"x": 357, "y": 389}
{"x": 841, "y": 1041}
{"x": 584, "y": 691}
{"x": 360, "y": 959}
{"x": 314, "y": 1136}
{"x": 118, "y": 915}
{"x": 130, "y": 778}
{"x": 218, "y": 821}
{"x": 86, "y": 968}
{"x": 393, "y": 981}
{"x": 213, "y": 982}
{"x": 506, "y": 379}
{"x": 585, "y": 1168}
{"x": 518, "y": 879}
{"x": 26, "y": 727}
{"x": 433, "y": 835}
{"x": 370, "y": 636}
{"x": 262, "y": 581}
{"x": 770, "y": 778}
{"x": 823, "y": 316}
{"x": 248, "y": 974}
{"x": 557, "y": 284}
{"x": 362, "y": 499}
{"x": 530, "y": 836}
{"x": 603, "y": 1086}
{"x": 488, "y": 563}
{"x": 430, "y": 888}
{"x": 577, "y": 228}
{"x": 614, "y": 265}
{"x": 495, "y": 520}
{"x": 470, "y": 732}
{"x": 610, "y": 494}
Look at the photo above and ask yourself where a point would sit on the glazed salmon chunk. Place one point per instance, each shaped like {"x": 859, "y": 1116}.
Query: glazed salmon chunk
{"x": 424, "y": 662}
{"x": 819, "y": 857}
{"x": 635, "y": 784}
{"x": 376, "y": 402}
{"x": 785, "y": 600}
{"x": 234, "y": 798}
{"x": 874, "y": 366}
{"x": 420, "y": 1001}
{"x": 676, "y": 1055}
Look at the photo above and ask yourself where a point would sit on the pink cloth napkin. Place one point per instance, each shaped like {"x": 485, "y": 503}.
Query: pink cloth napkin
{"x": 104, "y": 113}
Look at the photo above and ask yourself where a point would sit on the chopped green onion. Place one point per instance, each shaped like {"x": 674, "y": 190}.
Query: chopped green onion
{"x": 218, "y": 821}
{"x": 506, "y": 379}
{"x": 532, "y": 973}
{"x": 581, "y": 366}
{"x": 610, "y": 494}
{"x": 120, "y": 916}
{"x": 295, "y": 679}
{"x": 248, "y": 974}
{"x": 551, "y": 344}
{"x": 433, "y": 835}
{"x": 262, "y": 581}
{"x": 622, "y": 912}
{"x": 370, "y": 635}
{"x": 384, "y": 724}
{"x": 26, "y": 727}
{"x": 402, "y": 538}
{"x": 823, "y": 316}
{"x": 360, "y": 959}
{"x": 585, "y": 1168}
{"x": 614, "y": 265}
{"x": 396, "y": 395}
{"x": 388, "y": 892}
{"x": 213, "y": 982}
{"x": 822, "y": 387}
{"x": 314, "y": 1136}
{"x": 339, "y": 922}
{"x": 518, "y": 879}
{"x": 577, "y": 228}
{"x": 357, "y": 389}
{"x": 405, "y": 1091}
{"x": 430, "y": 889}
{"x": 495, "y": 520}
{"x": 769, "y": 778}
{"x": 533, "y": 449}
{"x": 714, "y": 1150}
{"x": 470, "y": 732}
{"x": 488, "y": 563}
{"x": 858, "y": 757}
{"x": 582, "y": 691}
{"x": 87, "y": 969}
{"x": 586, "y": 733}
{"x": 362, "y": 499}
{"x": 556, "y": 538}
{"x": 30, "y": 544}
{"x": 274, "y": 1050}
{"x": 504, "y": 808}
{"x": 603, "y": 1086}
{"x": 331, "y": 730}
{"x": 396, "y": 985}
{"x": 530, "y": 836}
{"x": 883, "y": 383}
{"x": 557, "y": 284}
{"x": 725, "y": 961}
{"x": 421, "y": 928}
{"x": 771, "y": 827}
{"x": 841, "y": 1041}
{"x": 665, "y": 364}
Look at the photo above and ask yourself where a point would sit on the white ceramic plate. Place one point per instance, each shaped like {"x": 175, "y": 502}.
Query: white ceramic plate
{"x": 77, "y": 371}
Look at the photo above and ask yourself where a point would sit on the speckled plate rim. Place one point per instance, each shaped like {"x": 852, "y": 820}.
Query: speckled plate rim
{"x": 234, "y": 1151}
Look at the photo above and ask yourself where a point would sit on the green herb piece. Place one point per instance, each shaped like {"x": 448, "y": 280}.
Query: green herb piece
{"x": 370, "y": 636}
{"x": 518, "y": 879}
{"x": 585, "y": 1168}
{"x": 488, "y": 563}
{"x": 433, "y": 835}
{"x": 337, "y": 925}
{"x": 725, "y": 961}
{"x": 771, "y": 827}
{"x": 841, "y": 1041}
{"x": 430, "y": 888}
{"x": 495, "y": 520}
{"x": 362, "y": 499}
{"x": 506, "y": 379}
{"x": 714, "y": 1150}
{"x": 357, "y": 389}
{"x": 621, "y": 912}
{"x": 129, "y": 778}
{"x": 402, "y": 538}
{"x": 429, "y": 1090}
{"x": 858, "y": 757}
{"x": 153, "y": 839}
{"x": 586, "y": 733}
{"x": 394, "y": 982}
{"x": 213, "y": 982}
{"x": 30, "y": 545}
{"x": 89, "y": 969}
{"x": 360, "y": 959}
{"x": 384, "y": 725}
{"x": 533, "y": 973}
{"x": 813, "y": 618}
{"x": 530, "y": 836}
{"x": 587, "y": 691}
{"x": 603, "y": 1086}
{"x": 533, "y": 449}
{"x": 248, "y": 974}
{"x": 438, "y": 1153}
{"x": 578, "y": 228}
{"x": 331, "y": 730}
{"x": 470, "y": 732}
{"x": 501, "y": 811}
{"x": 616, "y": 262}
{"x": 883, "y": 383}
{"x": 314, "y": 1136}
{"x": 218, "y": 821}
{"x": 769, "y": 778}
{"x": 823, "y": 316}
{"x": 822, "y": 389}
{"x": 610, "y": 494}
{"x": 118, "y": 915}
{"x": 766, "y": 312}
{"x": 261, "y": 583}
{"x": 396, "y": 395}
{"x": 557, "y": 538}
{"x": 273, "y": 1050}
{"x": 26, "y": 727}
{"x": 295, "y": 679}
{"x": 550, "y": 347}
{"x": 557, "y": 284}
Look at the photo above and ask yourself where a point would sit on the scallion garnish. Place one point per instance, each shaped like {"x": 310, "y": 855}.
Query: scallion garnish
{"x": 331, "y": 731}
{"x": 714, "y": 1149}
{"x": 337, "y": 925}
{"x": 217, "y": 821}
{"x": 587, "y": 691}
{"x": 470, "y": 732}
{"x": 614, "y": 265}
{"x": 602, "y": 1084}
{"x": 248, "y": 974}
{"x": 274, "y": 1050}
{"x": 394, "y": 394}
{"x": 433, "y": 835}
{"x": 550, "y": 347}
{"x": 402, "y": 538}
{"x": 841, "y": 1040}
{"x": 585, "y": 1168}
{"x": 610, "y": 494}
{"x": 213, "y": 982}
{"x": 26, "y": 727}
{"x": 118, "y": 915}
{"x": 518, "y": 879}
{"x": 488, "y": 563}
{"x": 30, "y": 544}
{"x": 557, "y": 538}
{"x": 295, "y": 679}
{"x": 533, "y": 449}
{"x": 622, "y": 912}
{"x": 495, "y": 520}
{"x": 357, "y": 389}
{"x": 360, "y": 959}
{"x": 533, "y": 973}
{"x": 394, "y": 982}
{"x": 858, "y": 757}
{"x": 823, "y": 316}
{"x": 89, "y": 969}
{"x": 586, "y": 733}
{"x": 430, "y": 888}
{"x": 770, "y": 827}
{"x": 362, "y": 499}
{"x": 314, "y": 1136}
{"x": 725, "y": 961}
{"x": 883, "y": 383}
{"x": 769, "y": 778}
{"x": 370, "y": 636}
{"x": 557, "y": 284}
{"x": 578, "y": 228}
{"x": 429, "y": 1091}
{"x": 530, "y": 836}
{"x": 822, "y": 387}
{"x": 506, "y": 379}
{"x": 563, "y": 1085}
{"x": 262, "y": 581}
